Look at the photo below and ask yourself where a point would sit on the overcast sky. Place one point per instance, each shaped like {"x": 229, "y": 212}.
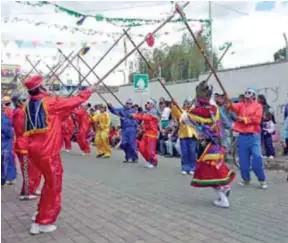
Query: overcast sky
{"x": 255, "y": 34}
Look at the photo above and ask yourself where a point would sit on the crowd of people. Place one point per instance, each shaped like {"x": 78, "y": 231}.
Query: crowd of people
{"x": 199, "y": 132}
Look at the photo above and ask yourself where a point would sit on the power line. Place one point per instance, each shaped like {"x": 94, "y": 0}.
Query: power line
{"x": 124, "y": 8}
{"x": 230, "y": 8}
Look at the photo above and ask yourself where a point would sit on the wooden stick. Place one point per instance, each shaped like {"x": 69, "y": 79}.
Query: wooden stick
{"x": 200, "y": 48}
{"x": 33, "y": 66}
{"x": 139, "y": 45}
{"x": 219, "y": 61}
{"x": 71, "y": 63}
{"x": 63, "y": 69}
{"x": 109, "y": 90}
{"x": 54, "y": 74}
{"x": 57, "y": 67}
{"x": 99, "y": 61}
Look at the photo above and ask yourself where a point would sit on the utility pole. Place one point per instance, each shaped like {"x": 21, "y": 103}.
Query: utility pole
{"x": 286, "y": 45}
{"x": 211, "y": 40}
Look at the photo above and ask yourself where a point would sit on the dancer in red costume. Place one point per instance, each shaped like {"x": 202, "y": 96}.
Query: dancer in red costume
{"x": 67, "y": 131}
{"x": 211, "y": 170}
{"x": 43, "y": 127}
{"x": 83, "y": 124}
{"x": 30, "y": 174}
{"x": 148, "y": 143}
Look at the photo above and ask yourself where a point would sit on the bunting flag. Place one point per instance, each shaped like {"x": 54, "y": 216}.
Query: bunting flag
{"x": 85, "y": 31}
{"x": 121, "y": 22}
{"x": 49, "y": 44}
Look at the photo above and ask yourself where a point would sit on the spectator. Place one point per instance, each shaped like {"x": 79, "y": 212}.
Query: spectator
{"x": 165, "y": 115}
{"x": 268, "y": 127}
{"x": 163, "y": 137}
{"x": 284, "y": 136}
{"x": 170, "y": 143}
{"x": 241, "y": 98}
{"x": 286, "y": 111}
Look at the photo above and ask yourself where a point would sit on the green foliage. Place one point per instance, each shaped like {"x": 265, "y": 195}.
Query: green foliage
{"x": 177, "y": 62}
{"x": 280, "y": 55}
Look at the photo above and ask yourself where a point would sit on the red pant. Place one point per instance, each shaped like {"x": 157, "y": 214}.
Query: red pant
{"x": 147, "y": 147}
{"x": 49, "y": 205}
{"x": 67, "y": 142}
{"x": 81, "y": 139}
{"x": 30, "y": 174}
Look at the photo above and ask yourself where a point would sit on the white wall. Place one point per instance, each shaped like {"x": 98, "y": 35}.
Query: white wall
{"x": 269, "y": 79}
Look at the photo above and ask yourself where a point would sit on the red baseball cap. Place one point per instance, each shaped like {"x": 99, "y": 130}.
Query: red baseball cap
{"x": 33, "y": 82}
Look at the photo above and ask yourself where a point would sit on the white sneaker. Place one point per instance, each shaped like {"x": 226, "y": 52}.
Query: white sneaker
{"x": 184, "y": 173}
{"x": 33, "y": 218}
{"x": 244, "y": 183}
{"x": 271, "y": 157}
{"x": 36, "y": 229}
{"x": 223, "y": 202}
{"x": 191, "y": 172}
{"x": 150, "y": 166}
{"x": 38, "y": 192}
{"x": 67, "y": 150}
{"x": 27, "y": 197}
{"x": 263, "y": 185}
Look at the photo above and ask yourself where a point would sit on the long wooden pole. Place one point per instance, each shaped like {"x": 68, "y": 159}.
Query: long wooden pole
{"x": 180, "y": 11}
{"x": 80, "y": 74}
{"x": 139, "y": 45}
{"x": 99, "y": 61}
{"x": 109, "y": 90}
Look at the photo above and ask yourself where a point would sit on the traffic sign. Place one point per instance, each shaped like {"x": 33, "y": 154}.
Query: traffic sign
{"x": 141, "y": 82}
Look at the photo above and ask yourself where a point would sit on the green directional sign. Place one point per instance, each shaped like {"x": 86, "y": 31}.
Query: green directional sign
{"x": 141, "y": 82}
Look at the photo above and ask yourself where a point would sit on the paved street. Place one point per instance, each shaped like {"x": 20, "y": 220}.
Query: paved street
{"x": 106, "y": 201}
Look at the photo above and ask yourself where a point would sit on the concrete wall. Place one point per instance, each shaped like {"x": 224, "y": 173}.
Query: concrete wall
{"x": 269, "y": 79}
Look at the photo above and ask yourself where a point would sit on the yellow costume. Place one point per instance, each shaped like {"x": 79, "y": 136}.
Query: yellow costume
{"x": 185, "y": 131}
{"x": 101, "y": 141}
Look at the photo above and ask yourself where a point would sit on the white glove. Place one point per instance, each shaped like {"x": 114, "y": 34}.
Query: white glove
{"x": 184, "y": 117}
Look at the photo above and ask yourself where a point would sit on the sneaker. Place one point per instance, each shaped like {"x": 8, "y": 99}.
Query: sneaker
{"x": 106, "y": 156}
{"x": 10, "y": 183}
{"x": 150, "y": 166}
{"x": 191, "y": 172}
{"x": 85, "y": 154}
{"x": 27, "y": 197}
{"x": 223, "y": 202}
{"x": 125, "y": 161}
{"x": 263, "y": 185}
{"x": 271, "y": 157}
{"x": 38, "y": 193}
{"x": 36, "y": 229}
{"x": 184, "y": 172}
{"x": 99, "y": 155}
{"x": 134, "y": 161}
{"x": 244, "y": 183}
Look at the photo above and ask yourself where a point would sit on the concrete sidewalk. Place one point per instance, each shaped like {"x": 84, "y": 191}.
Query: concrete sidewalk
{"x": 106, "y": 201}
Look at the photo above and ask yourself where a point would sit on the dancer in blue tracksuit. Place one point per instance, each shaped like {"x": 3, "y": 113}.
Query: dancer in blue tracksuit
{"x": 128, "y": 130}
{"x": 8, "y": 167}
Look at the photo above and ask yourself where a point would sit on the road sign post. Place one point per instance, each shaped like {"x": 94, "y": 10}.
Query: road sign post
{"x": 141, "y": 83}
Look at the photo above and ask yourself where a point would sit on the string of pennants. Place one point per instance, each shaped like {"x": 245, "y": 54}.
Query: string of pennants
{"x": 49, "y": 44}
{"x": 89, "y": 32}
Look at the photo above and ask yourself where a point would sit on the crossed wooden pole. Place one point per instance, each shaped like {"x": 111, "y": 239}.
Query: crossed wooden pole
{"x": 205, "y": 56}
{"x": 96, "y": 64}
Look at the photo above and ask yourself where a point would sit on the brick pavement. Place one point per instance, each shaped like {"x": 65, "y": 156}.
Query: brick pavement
{"x": 105, "y": 201}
